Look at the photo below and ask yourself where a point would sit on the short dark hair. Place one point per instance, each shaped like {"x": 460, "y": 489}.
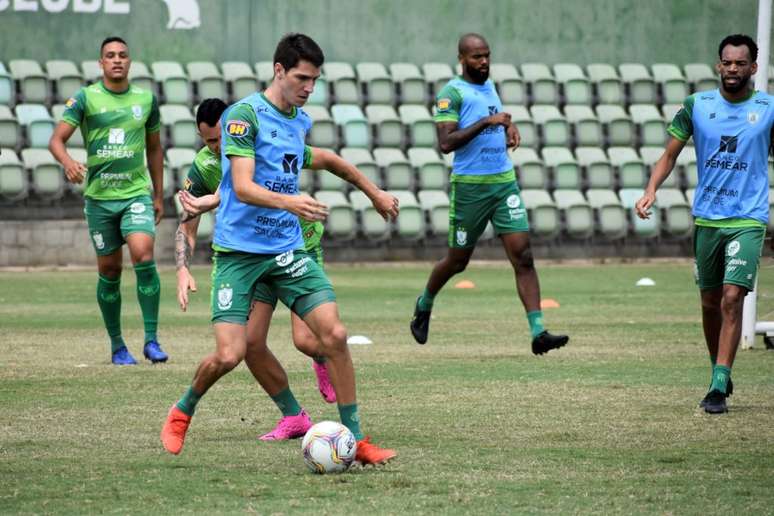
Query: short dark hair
{"x": 737, "y": 40}
{"x": 464, "y": 40}
{"x": 209, "y": 112}
{"x": 295, "y": 47}
{"x": 111, "y": 39}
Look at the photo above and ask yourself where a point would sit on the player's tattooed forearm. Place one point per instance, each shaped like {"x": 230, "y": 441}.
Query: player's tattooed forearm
{"x": 186, "y": 217}
{"x": 183, "y": 251}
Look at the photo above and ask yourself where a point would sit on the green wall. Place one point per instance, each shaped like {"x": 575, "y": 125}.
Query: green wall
{"x": 519, "y": 31}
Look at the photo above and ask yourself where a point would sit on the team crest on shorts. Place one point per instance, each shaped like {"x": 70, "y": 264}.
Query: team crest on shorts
{"x": 237, "y": 128}
{"x": 225, "y": 297}
{"x": 137, "y": 207}
{"x": 733, "y": 248}
{"x": 99, "y": 242}
{"x": 462, "y": 237}
{"x": 284, "y": 258}
{"x": 513, "y": 201}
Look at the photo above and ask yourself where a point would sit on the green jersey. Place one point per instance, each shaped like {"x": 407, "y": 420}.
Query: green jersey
{"x": 204, "y": 177}
{"x": 114, "y": 127}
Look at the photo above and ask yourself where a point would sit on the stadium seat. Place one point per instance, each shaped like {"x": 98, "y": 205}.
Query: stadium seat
{"x": 429, "y": 167}
{"x": 575, "y": 86}
{"x": 544, "y": 220}
{"x": 364, "y": 161}
{"x": 678, "y": 221}
{"x": 171, "y": 77}
{"x": 566, "y": 172}
{"x": 410, "y": 83}
{"x": 542, "y": 85}
{"x": 65, "y": 77}
{"x": 140, "y": 76}
{"x": 306, "y": 180}
{"x": 341, "y": 77}
{"x": 435, "y": 204}
{"x": 7, "y": 88}
{"x": 587, "y": 129}
{"x": 553, "y": 125}
{"x": 373, "y": 77}
{"x": 92, "y": 72}
{"x": 643, "y": 228}
{"x": 619, "y": 125}
{"x": 9, "y": 128}
{"x": 510, "y": 85}
{"x": 436, "y": 76}
{"x": 421, "y": 127}
{"x": 652, "y": 130}
{"x": 180, "y": 124}
{"x": 674, "y": 87}
{"x": 632, "y": 172}
{"x": 341, "y": 223}
{"x": 639, "y": 82}
{"x": 76, "y": 140}
{"x": 48, "y": 181}
{"x": 650, "y": 155}
{"x": 324, "y": 131}
{"x": 686, "y": 160}
{"x": 326, "y": 180}
{"x": 13, "y": 176}
{"x": 599, "y": 171}
{"x": 37, "y": 124}
{"x": 690, "y": 193}
{"x": 607, "y": 83}
{"x": 669, "y": 111}
{"x": 372, "y": 225}
{"x": 530, "y": 170}
{"x": 397, "y": 170}
{"x": 264, "y": 72}
{"x": 410, "y": 225}
{"x": 240, "y": 78}
{"x": 78, "y": 154}
{"x": 523, "y": 121}
{"x": 353, "y": 124}
{"x": 578, "y": 215}
{"x": 386, "y": 125}
{"x": 612, "y": 223}
{"x": 700, "y": 76}
{"x": 208, "y": 80}
{"x": 32, "y": 82}
{"x": 179, "y": 160}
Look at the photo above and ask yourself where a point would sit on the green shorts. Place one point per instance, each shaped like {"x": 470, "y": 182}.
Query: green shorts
{"x": 292, "y": 277}
{"x": 473, "y": 205}
{"x": 111, "y": 221}
{"x": 727, "y": 256}
{"x": 264, "y": 294}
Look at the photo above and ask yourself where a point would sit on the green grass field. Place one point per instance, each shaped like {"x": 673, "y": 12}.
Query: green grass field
{"x": 608, "y": 424}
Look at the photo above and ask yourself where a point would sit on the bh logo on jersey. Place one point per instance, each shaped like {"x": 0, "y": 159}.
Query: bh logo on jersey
{"x": 237, "y": 128}
{"x": 116, "y": 136}
{"x": 225, "y": 297}
{"x": 284, "y": 258}
{"x": 733, "y": 248}
{"x": 99, "y": 242}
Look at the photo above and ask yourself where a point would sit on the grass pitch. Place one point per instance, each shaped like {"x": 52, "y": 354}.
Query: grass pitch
{"x": 608, "y": 424}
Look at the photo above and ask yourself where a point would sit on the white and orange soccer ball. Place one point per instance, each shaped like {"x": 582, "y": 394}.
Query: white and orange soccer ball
{"x": 329, "y": 447}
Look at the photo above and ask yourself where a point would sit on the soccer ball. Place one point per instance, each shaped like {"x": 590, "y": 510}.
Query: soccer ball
{"x": 328, "y": 447}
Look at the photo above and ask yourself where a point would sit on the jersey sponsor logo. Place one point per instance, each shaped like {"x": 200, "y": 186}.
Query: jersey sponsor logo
{"x": 752, "y": 117}
{"x": 733, "y": 248}
{"x": 443, "y": 104}
{"x": 237, "y": 128}
{"x": 70, "y": 102}
{"x": 137, "y": 207}
{"x": 513, "y": 201}
{"x": 492, "y": 110}
{"x": 116, "y": 136}
{"x": 284, "y": 259}
{"x": 764, "y": 102}
{"x": 225, "y": 297}
{"x": 281, "y": 186}
{"x": 137, "y": 112}
{"x": 728, "y": 144}
{"x": 290, "y": 163}
{"x": 99, "y": 242}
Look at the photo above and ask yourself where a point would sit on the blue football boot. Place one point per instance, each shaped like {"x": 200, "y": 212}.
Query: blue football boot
{"x": 153, "y": 352}
{"x": 121, "y": 356}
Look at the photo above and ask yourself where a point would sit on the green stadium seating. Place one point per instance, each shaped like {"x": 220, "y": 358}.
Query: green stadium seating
{"x": 530, "y": 169}
{"x": 643, "y": 228}
{"x": 306, "y": 180}
{"x": 36, "y": 123}
{"x": 341, "y": 223}
{"x": 91, "y": 70}
{"x": 669, "y": 111}
{"x": 180, "y": 125}
{"x": 632, "y": 172}
{"x": 410, "y": 225}
{"x": 353, "y": 125}
{"x": 430, "y": 169}
{"x": 553, "y": 125}
{"x": 386, "y": 125}
{"x": 607, "y": 83}
{"x": 179, "y": 160}
{"x": 410, "y": 83}
{"x": 174, "y": 84}
{"x": 264, "y": 72}
{"x": 575, "y": 86}
{"x": 650, "y": 155}
{"x": 544, "y": 219}
{"x": 140, "y": 76}
{"x": 208, "y": 81}
{"x": 372, "y": 225}
{"x": 32, "y": 81}
{"x": 523, "y": 121}
{"x": 76, "y": 140}
{"x": 578, "y": 215}
{"x": 13, "y": 176}
{"x": 652, "y": 129}
{"x": 587, "y": 129}
{"x": 79, "y": 155}
{"x": 509, "y": 82}
{"x": 542, "y": 85}
{"x": 326, "y": 180}
{"x": 65, "y": 77}
{"x": 396, "y": 169}
{"x": 364, "y": 161}
{"x": 7, "y": 88}
{"x": 678, "y": 221}
{"x": 565, "y": 170}
{"x": 324, "y": 132}
{"x": 674, "y": 87}
{"x": 612, "y": 223}
{"x": 700, "y": 76}
{"x": 341, "y": 77}
{"x": 691, "y": 192}
{"x": 436, "y": 76}
{"x": 421, "y": 127}
{"x": 9, "y": 128}
{"x": 686, "y": 160}
{"x": 48, "y": 181}
{"x": 240, "y": 79}
{"x": 639, "y": 82}
{"x": 373, "y": 77}
{"x": 435, "y": 204}
{"x": 619, "y": 125}
{"x": 598, "y": 170}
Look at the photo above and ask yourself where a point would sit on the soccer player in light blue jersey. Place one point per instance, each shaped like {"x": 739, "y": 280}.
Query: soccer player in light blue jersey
{"x": 732, "y": 129}
{"x": 471, "y": 123}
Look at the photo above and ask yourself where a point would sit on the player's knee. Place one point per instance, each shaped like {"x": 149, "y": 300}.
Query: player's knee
{"x": 525, "y": 259}
{"x": 732, "y": 301}
{"x": 228, "y": 360}
{"x": 458, "y": 264}
{"x": 335, "y": 337}
{"x": 306, "y": 344}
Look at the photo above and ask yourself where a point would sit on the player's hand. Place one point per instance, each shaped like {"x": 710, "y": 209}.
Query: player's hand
{"x": 75, "y": 171}
{"x": 642, "y": 207}
{"x": 502, "y": 118}
{"x": 386, "y": 204}
{"x": 185, "y": 282}
{"x": 307, "y": 207}
{"x": 158, "y": 208}
{"x": 512, "y": 137}
{"x": 195, "y": 206}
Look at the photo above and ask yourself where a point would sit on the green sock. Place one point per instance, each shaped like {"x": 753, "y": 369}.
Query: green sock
{"x": 148, "y": 294}
{"x": 351, "y": 419}
{"x": 188, "y": 402}
{"x": 287, "y": 403}
{"x": 109, "y": 301}
{"x": 720, "y": 377}
{"x": 535, "y": 320}
{"x": 425, "y": 302}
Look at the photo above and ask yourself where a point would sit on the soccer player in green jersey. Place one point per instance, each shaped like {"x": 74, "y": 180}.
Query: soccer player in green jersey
{"x": 120, "y": 125}
{"x": 732, "y": 129}
{"x": 470, "y": 122}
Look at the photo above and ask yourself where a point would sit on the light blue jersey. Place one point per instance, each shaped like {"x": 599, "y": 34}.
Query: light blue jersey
{"x": 466, "y": 103}
{"x": 732, "y": 145}
{"x": 255, "y": 128}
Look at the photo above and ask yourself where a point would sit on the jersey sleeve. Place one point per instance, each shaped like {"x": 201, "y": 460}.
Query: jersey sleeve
{"x": 75, "y": 107}
{"x": 194, "y": 182}
{"x": 308, "y": 156}
{"x": 153, "y": 124}
{"x": 448, "y": 104}
{"x": 240, "y": 131}
{"x": 682, "y": 124}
